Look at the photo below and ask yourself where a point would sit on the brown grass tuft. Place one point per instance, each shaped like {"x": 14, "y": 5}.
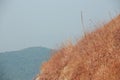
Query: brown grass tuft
{"x": 95, "y": 57}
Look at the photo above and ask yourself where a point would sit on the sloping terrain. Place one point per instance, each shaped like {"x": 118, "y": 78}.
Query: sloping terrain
{"x": 23, "y": 64}
{"x": 94, "y": 57}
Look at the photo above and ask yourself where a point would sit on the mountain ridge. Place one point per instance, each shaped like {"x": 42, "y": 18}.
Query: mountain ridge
{"x": 22, "y": 64}
{"x": 41, "y": 47}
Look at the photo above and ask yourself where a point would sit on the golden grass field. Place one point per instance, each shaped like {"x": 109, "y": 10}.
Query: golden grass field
{"x": 96, "y": 56}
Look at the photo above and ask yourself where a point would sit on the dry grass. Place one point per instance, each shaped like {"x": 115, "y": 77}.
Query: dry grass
{"x": 95, "y": 57}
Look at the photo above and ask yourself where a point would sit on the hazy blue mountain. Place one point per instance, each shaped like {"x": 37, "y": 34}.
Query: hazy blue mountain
{"x": 23, "y": 64}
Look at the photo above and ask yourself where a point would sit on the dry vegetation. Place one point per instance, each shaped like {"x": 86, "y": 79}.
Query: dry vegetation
{"x": 95, "y": 57}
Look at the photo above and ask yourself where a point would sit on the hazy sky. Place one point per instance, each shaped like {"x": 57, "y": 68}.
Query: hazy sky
{"x": 27, "y": 23}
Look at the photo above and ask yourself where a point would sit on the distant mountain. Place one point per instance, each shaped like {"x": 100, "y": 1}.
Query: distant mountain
{"x": 23, "y": 64}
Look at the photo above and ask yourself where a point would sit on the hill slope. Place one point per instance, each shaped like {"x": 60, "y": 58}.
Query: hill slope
{"x": 23, "y": 64}
{"x": 95, "y": 57}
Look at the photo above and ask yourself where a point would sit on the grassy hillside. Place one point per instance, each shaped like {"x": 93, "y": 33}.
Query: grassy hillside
{"x": 23, "y": 64}
{"x": 94, "y": 57}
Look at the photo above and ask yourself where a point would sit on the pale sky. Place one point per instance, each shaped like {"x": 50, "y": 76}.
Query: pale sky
{"x": 48, "y": 23}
